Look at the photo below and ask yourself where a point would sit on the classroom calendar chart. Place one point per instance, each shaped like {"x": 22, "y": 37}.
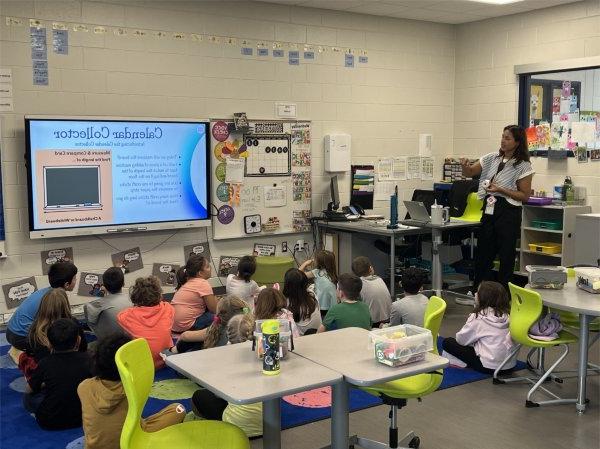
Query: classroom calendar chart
{"x": 270, "y": 191}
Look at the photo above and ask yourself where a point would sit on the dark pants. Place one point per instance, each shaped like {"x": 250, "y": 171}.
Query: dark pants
{"x": 467, "y": 354}
{"x": 32, "y": 401}
{"x": 208, "y": 405}
{"x": 18, "y": 341}
{"x": 203, "y": 321}
{"x": 498, "y": 235}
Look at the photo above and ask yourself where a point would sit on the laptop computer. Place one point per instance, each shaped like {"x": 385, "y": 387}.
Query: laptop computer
{"x": 417, "y": 211}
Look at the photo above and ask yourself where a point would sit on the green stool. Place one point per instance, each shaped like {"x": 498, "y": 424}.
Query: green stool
{"x": 271, "y": 269}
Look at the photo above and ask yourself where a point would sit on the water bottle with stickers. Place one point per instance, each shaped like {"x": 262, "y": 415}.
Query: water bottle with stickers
{"x": 270, "y": 341}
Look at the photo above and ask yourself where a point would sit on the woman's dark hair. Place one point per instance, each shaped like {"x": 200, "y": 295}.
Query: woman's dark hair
{"x": 301, "y": 302}
{"x": 146, "y": 292}
{"x": 61, "y": 273}
{"x": 193, "y": 266}
{"x": 268, "y": 304}
{"x": 113, "y": 280}
{"x": 246, "y": 267}
{"x": 522, "y": 151}
{"x": 104, "y": 365}
{"x": 493, "y": 295}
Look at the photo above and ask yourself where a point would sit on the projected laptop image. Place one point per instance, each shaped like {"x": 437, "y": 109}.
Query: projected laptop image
{"x": 72, "y": 188}
{"x": 417, "y": 211}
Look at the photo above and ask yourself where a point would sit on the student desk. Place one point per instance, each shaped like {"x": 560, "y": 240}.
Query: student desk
{"x": 347, "y": 352}
{"x": 234, "y": 373}
{"x": 370, "y": 228}
{"x": 436, "y": 241}
{"x": 587, "y": 305}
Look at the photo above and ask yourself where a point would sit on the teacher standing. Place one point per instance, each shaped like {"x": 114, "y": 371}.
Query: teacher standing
{"x": 504, "y": 185}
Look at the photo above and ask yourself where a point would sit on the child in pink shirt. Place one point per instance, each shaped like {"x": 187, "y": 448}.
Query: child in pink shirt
{"x": 194, "y": 301}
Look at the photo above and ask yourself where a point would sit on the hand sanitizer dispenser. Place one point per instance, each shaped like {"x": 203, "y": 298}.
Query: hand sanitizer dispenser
{"x": 337, "y": 152}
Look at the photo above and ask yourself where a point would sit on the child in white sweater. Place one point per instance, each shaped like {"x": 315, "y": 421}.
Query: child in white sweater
{"x": 241, "y": 284}
{"x": 484, "y": 341}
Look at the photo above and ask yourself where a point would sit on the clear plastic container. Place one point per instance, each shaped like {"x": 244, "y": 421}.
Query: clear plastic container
{"x": 588, "y": 279}
{"x": 286, "y": 341}
{"x": 400, "y": 345}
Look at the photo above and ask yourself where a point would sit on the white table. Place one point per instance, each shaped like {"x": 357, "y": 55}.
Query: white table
{"x": 346, "y": 351}
{"x": 234, "y": 373}
{"x": 369, "y": 227}
{"x": 587, "y": 305}
{"x": 436, "y": 241}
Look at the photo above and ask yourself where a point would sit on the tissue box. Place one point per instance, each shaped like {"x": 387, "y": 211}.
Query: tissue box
{"x": 542, "y": 276}
{"x": 399, "y": 345}
{"x": 588, "y": 279}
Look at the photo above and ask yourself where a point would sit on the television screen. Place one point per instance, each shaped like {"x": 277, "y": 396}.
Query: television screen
{"x": 99, "y": 175}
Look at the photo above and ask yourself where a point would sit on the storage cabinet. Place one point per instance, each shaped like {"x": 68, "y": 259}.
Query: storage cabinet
{"x": 535, "y": 229}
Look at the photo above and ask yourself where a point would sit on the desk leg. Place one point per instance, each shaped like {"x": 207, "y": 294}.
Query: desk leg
{"x": 436, "y": 265}
{"x": 584, "y": 324}
{"x": 272, "y": 424}
{"x": 393, "y": 267}
{"x": 339, "y": 416}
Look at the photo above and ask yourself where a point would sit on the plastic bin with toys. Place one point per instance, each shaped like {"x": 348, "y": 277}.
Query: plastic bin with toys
{"x": 400, "y": 345}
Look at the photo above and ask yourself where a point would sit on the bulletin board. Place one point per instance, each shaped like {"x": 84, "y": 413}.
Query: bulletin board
{"x": 261, "y": 178}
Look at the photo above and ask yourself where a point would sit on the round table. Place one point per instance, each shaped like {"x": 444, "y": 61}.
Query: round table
{"x": 587, "y": 305}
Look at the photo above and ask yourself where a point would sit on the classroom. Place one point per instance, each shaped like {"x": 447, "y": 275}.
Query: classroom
{"x": 299, "y": 224}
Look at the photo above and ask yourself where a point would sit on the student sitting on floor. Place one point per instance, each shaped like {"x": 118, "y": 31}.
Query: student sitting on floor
{"x": 484, "y": 341}
{"x": 241, "y": 285}
{"x": 411, "y": 308}
{"x": 194, "y": 301}
{"x": 60, "y": 275}
{"x": 206, "y": 404}
{"x": 101, "y": 314}
{"x": 150, "y": 317}
{"x": 301, "y": 302}
{"x": 271, "y": 305}
{"x": 374, "y": 292}
{"x": 104, "y": 404}
{"x": 53, "y": 398}
{"x": 216, "y": 333}
{"x": 324, "y": 273}
{"x": 350, "y": 310}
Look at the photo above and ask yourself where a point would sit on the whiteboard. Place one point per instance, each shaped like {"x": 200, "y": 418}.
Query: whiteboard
{"x": 271, "y": 193}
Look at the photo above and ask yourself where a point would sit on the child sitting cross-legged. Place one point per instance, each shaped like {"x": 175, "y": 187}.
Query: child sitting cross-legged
{"x": 104, "y": 404}
{"x": 350, "y": 311}
{"x": 301, "y": 301}
{"x": 53, "y": 397}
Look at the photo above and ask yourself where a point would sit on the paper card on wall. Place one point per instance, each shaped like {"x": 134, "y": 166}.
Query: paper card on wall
{"x": 383, "y": 190}
{"x": 6, "y": 75}
{"x": 55, "y": 255}
{"x": 427, "y": 168}
{"x": 166, "y": 273}
{"x": 228, "y": 265}
{"x": 16, "y": 292}
{"x": 413, "y": 167}
{"x": 234, "y": 173}
{"x": 6, "y": 105}
{"x": 60, "y": 42}
{"x": 263, "y": 249}
{"x": 384, "y": 169}
{"x": 583, "y": 132}
{"x": 582, "y": 155}
{"x": 90, "y": 284}
{"x": 565, "y": 105}
{"x": 40, "y": 73}
{"x": 399, "y": 168}
{"x": 275, "y": 196}
{"x": 129, "y": 260}
{"x": 425, "y": 145}
{"x": 199, "y": 249}
{"x": 37, "y": 37}
{"x": 6, "y": 90}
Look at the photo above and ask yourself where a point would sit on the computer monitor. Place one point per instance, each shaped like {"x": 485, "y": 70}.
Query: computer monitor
{"x": 335, "y": 194}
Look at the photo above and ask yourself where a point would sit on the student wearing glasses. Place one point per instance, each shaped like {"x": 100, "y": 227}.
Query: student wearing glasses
{"x": 504, "y": 184}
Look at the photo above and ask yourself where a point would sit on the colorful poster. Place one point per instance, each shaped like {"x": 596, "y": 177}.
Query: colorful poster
{"x": 129, "y": 260}
{"x": 90, "y": 284}
{"x": 199, "y": 249}
{"x": 166, "y": 273}
{"x": 55, "y": 255}
{"x": 536, "y": 102}
{"x": 16, "y": 292}
{"x": 228, "y": 265}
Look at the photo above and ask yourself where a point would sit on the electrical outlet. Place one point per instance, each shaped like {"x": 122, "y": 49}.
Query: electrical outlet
{"x": 284, "y": 247}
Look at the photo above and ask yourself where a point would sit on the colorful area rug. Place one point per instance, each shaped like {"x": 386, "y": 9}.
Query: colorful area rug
{"x": 19, "y": 430}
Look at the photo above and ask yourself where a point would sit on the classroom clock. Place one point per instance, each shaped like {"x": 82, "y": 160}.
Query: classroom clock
{"x": 252, "y": 224}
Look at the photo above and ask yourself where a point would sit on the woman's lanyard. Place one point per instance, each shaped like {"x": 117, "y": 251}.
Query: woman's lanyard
{"x": 491, "y": 199}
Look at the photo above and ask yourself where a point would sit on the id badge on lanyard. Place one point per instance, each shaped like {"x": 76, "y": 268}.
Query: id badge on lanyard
{"x": 489, "y": 206}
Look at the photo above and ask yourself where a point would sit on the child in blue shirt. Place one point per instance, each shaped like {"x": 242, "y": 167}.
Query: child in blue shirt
{"x": 324, "y": 274}
{"x": 60, "y": 275}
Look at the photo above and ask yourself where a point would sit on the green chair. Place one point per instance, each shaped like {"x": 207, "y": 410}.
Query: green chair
{"x": 474, "y": 209}
{"x": 526, "y": 308}
{"x": 396, "y": 392}
{"x": 137, "y": 374}
{"x": 271, "y": 269}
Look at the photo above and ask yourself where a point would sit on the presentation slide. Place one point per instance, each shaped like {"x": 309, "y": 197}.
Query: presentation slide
{"x": 104, "y": 173}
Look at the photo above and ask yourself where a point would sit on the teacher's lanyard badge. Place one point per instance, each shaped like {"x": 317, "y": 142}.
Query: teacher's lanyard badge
{"x": 491, "y": 200}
